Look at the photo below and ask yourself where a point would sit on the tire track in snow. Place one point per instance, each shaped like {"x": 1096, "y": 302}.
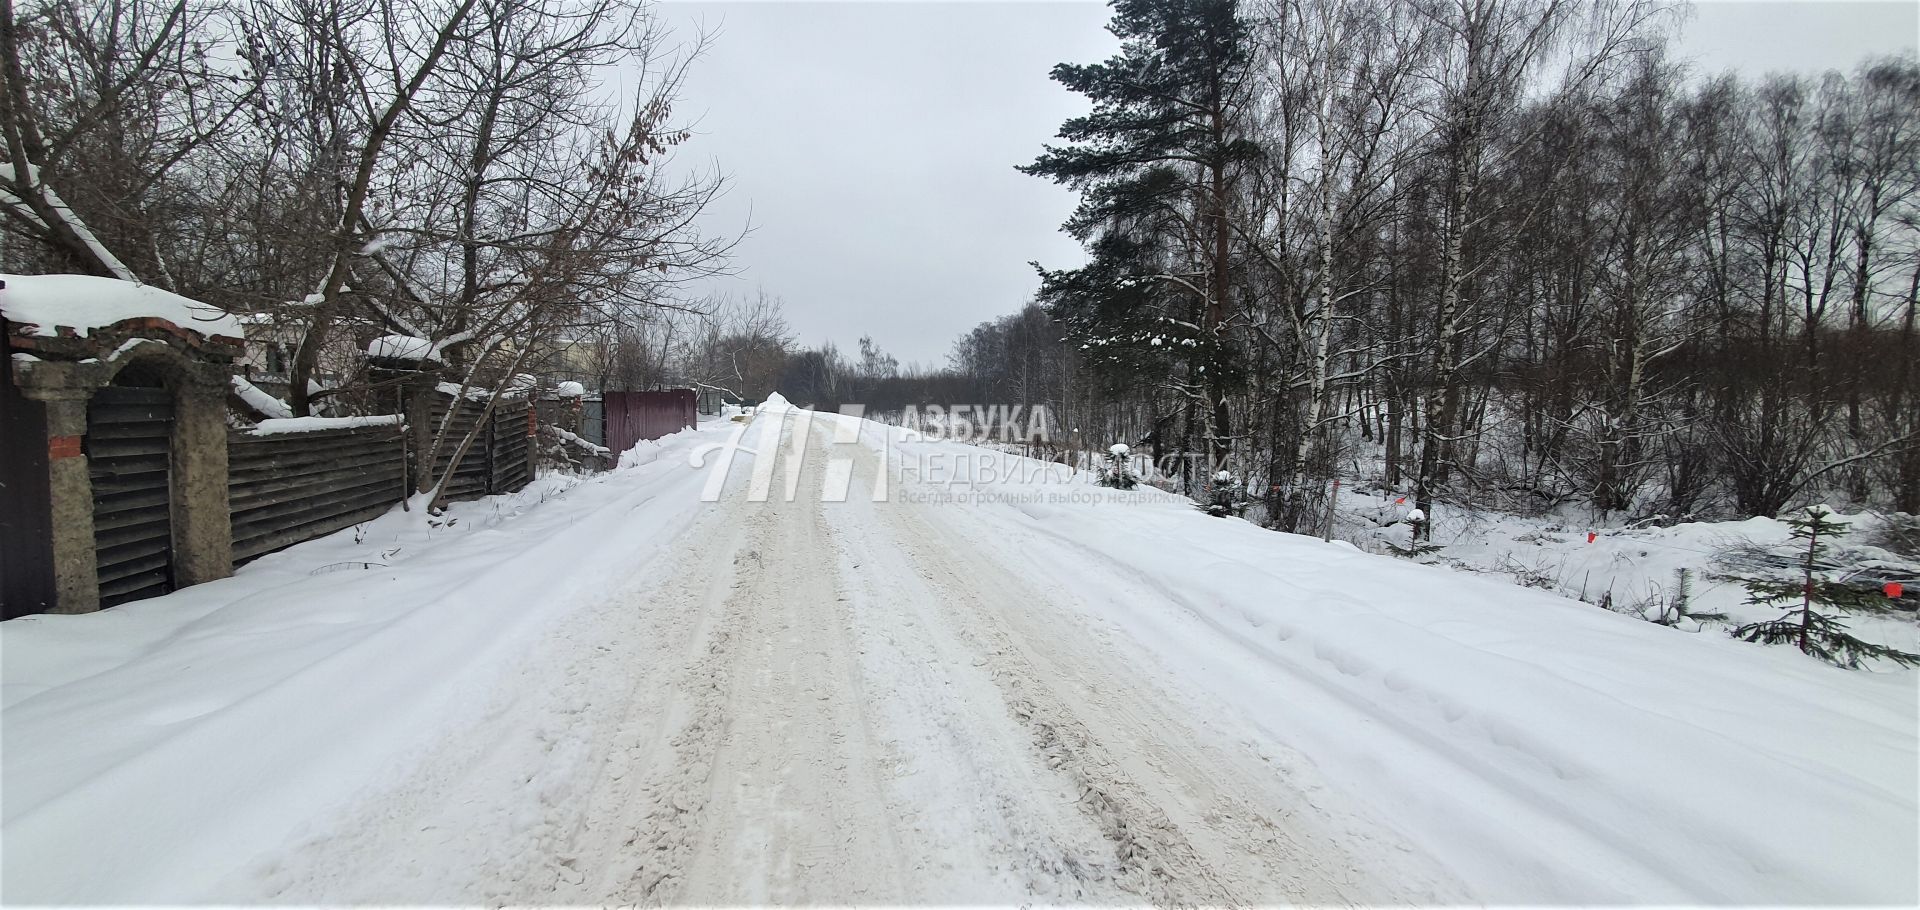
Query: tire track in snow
{"x": 672, "y": 803}
{"x": 993, "y": 824}
{"x": 1194, "y": 817}
{"x": 807, "y": 703}
{"x": 1151, "y": 857}
{"x": 777, "y": 790}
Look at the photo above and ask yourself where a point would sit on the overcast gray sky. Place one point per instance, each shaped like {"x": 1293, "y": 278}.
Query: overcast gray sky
{"x": 871, "y": 145}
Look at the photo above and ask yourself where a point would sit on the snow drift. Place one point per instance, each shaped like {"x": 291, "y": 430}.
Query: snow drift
{"x": 170, "y": 741}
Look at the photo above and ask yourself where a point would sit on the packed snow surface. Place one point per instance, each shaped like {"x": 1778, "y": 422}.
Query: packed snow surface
{"x": 87, "y": 302}
{"x": 882, "y": 670}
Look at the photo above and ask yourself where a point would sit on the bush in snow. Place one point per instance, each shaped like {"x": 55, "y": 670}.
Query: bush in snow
{"x": 1898, "y": 533}
{"x": 1116, "y": 470}
{"x": 1814, "y": 632}
{"x": 1225, "y": 497}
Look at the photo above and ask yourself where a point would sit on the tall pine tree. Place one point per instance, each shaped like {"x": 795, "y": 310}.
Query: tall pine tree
{"x": 1156, "y": 164}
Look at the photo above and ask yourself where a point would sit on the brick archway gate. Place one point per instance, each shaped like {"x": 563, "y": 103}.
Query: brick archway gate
{"x": 132, "y": 424}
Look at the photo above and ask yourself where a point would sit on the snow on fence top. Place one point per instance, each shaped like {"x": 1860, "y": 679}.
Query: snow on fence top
{"x": 86, "y": 303}
{"x": 279, "y": 425}
{"x": 473, "y": 393}
{"x": 521, "y": 384}
{"x": 403, "y": 347}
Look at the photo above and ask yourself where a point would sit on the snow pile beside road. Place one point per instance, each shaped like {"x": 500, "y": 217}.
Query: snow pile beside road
{"x": 171, "y": 741}
{"x": 1543, "y": 749}
{"x": 1635, "y": 569}
{"x": 87, "y": 302}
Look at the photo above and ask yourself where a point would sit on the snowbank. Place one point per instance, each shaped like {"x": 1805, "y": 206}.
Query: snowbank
{"x": 1546, "y": 750}
{"x": 157, "y": 749}
{"x": 280, "y": 425}
{"x": 1635, "y": 569}
{"x": 86, "y": 303}
{"x": 774, "y": 404}
{"x": 648, "y": 451}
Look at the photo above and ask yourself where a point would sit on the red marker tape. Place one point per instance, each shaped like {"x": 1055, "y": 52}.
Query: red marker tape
{"x": 1894, "y": 589}
{"x": 1591, "y": 536}
{"x": 1400, "y": 501}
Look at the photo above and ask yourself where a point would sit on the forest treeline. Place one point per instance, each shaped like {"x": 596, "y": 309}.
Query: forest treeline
{"x": 1511, "y": 241}
{"x": 1511, "y": 245}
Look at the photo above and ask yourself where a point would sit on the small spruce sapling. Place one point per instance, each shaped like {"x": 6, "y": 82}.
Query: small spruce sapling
{"x": 1807, "y": 628}
{"x": 1415, "y": 549}
{"x": 1227, "y": 497}
{"x": 1116, "y": 470}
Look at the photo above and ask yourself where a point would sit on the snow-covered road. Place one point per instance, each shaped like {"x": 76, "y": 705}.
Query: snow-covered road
{"x": 824, "y": 702}
{"x": 625, "y": 695}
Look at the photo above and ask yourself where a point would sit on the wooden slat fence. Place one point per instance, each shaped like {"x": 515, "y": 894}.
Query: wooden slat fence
{"x": 471, "y": 479}
{"x": 289, "y": 487}
{"x": 510, "y": 446}
{"x": 499, "y": 461}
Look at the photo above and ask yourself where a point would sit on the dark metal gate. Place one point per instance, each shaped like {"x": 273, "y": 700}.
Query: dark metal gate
{"x": 635, "y": 416}
{"x": 26, "y": 518}
{"x": 129, "y": 454}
